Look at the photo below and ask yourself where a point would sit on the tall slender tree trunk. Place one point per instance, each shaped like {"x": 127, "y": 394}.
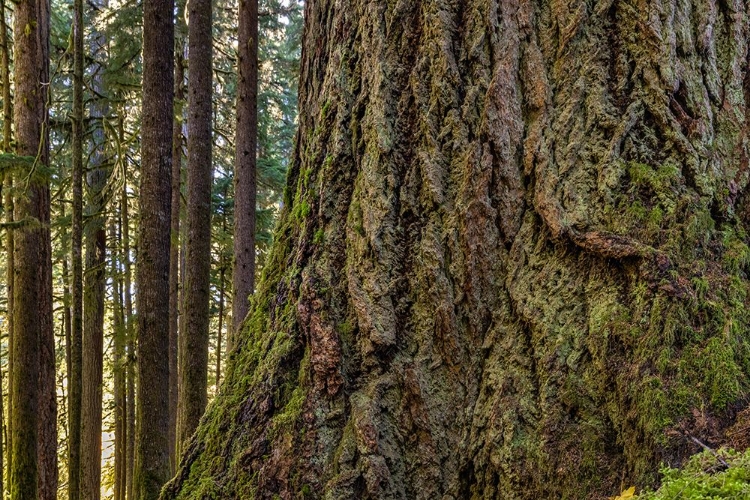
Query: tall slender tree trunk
{"x": 5, "y": 61}
{"x": 220, "y": 338}
{"x": 245, "y": 163}
{"x": 94, "y": 280}
{"x": 93, "y": 348}
{"x": 8, "y": 206}
{"x": 65, "y": 329}
{"x": 193, "y": 353}
{"x": 75, "y": 384}
{"x": 152, "y": 273}
{"x": 68, "y": 333}
{"x": 3, "y": 437}
{"x": 174, "y": 249}
{"x": 182, "y": 317}
{"x": 30, "y": 252}
{"x": 118, "y": 364}
{"x": 131, "y": 343}
{"x": 219, "y": 331}
{"x": 47, "y": 447}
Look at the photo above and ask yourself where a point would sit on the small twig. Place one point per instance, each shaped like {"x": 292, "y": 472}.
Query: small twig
{"x": 707, "y": 448}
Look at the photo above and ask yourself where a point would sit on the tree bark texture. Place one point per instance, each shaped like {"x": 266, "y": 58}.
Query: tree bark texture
{"x": 220, "y": 329}
{"x": 193, "y": 352}
{"x": 93, "y": 342}
{"x": 47, "y": 446}
{"x": 75, "y": 384}
{"x": 512, "y": 260}
{"x": 8, "y": 207}
{"x": 95, "y": 238}
{"x": 118, "y": 361}
{"x": 27, "y": 475}
{"x": 131, "y": 343}
{"x": 152, "y": 468}
{"x": 245, "y": 185}
{"x": 5, "y": 61}
{"x": 10, "y": 273}
{"x": 174, "y": 249}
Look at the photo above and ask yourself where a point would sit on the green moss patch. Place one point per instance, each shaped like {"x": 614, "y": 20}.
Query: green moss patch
{"x": 705, "y": 477}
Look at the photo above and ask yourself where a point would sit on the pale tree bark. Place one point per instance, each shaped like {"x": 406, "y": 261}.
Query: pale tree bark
{"x": 245, "y": 163}
{"x": 152, "y": 271}
{"x": 512, "y": 262}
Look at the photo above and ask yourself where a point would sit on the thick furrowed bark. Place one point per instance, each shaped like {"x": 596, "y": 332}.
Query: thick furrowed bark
{"x": 542, "y": 280}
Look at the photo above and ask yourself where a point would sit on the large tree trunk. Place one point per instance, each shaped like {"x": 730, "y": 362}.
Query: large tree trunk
{"x": 31, "y": 255}
{"x": 193, "y": 342}
{"x": 511, "y": 262}
{"x": 152, "y": 271}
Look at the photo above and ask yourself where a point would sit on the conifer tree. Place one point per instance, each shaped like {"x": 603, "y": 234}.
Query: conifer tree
{"x": 245, "y": 175}
{"x": 152, "y": 272}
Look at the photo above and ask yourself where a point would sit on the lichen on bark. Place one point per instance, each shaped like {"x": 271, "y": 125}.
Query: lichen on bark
{"x": 512, "y": 260}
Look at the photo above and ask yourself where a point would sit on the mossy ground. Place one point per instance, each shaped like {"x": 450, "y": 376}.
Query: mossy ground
{"x": 710, "y": 475}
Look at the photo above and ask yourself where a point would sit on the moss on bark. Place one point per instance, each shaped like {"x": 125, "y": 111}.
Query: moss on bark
{"x": 512, "y": 261}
